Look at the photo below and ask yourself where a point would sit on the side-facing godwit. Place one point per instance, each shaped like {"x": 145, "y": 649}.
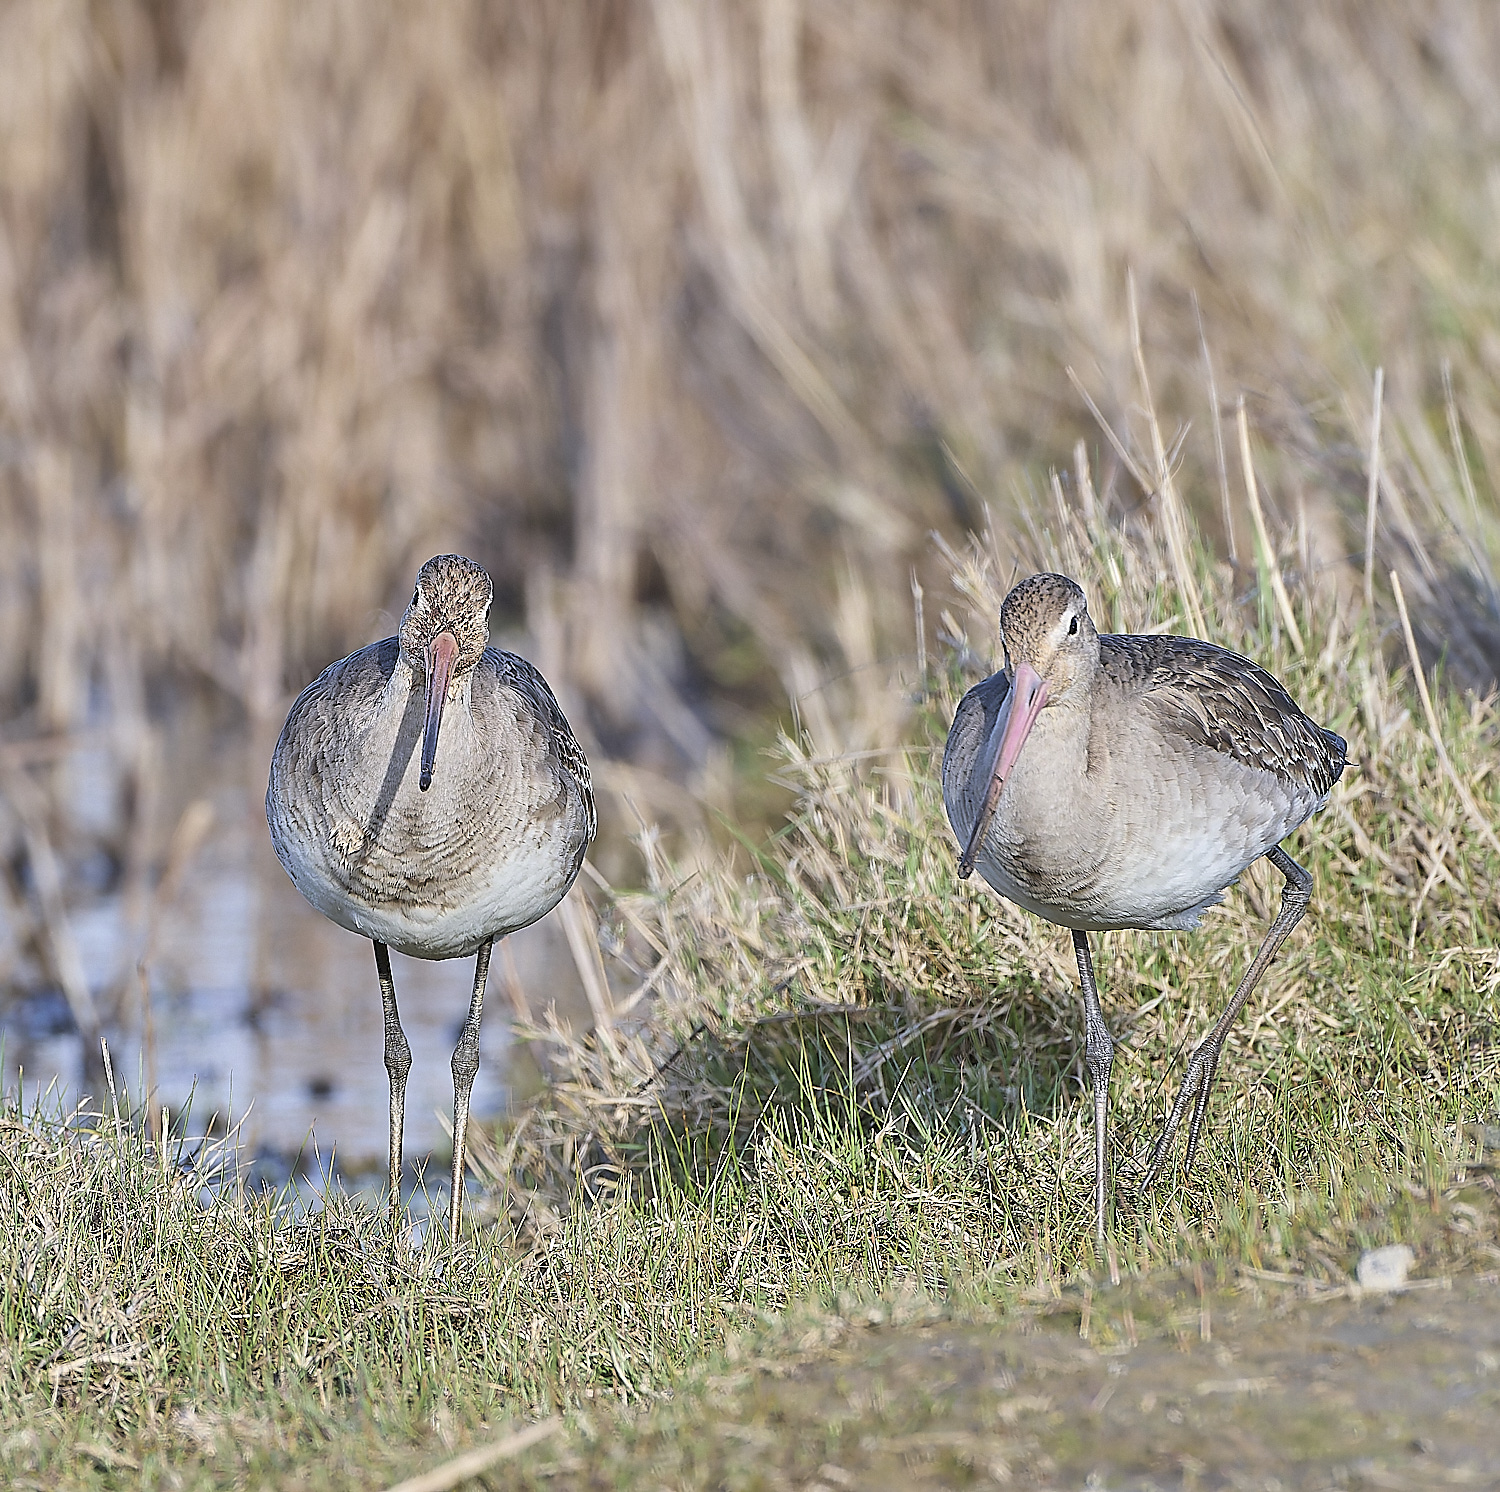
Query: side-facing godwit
{"x": 1154, "y": 771}
{"x": 435, "y": 864}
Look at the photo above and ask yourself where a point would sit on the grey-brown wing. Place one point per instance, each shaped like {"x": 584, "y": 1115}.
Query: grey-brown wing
{"x": 526, "y": 679}
{"x": 973, "y": 724}
{"x": 349, "y": 689}
{"x": 1220, "y": 700}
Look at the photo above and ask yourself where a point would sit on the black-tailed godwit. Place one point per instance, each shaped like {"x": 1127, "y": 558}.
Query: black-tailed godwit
{"x": 1108, "y": 782}
{"x": 428, "y": 794}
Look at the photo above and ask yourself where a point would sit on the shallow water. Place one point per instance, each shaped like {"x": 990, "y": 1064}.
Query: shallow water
{"x": 263, "y": 1010}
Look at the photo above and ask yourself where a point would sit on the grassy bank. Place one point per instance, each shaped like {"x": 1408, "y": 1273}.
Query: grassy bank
{"x": 152, "y": 1343}
{"x": 847, "y": 1094}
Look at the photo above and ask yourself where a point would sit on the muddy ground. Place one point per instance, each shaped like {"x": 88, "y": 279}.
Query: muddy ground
{"x": 1264, "y": 1383}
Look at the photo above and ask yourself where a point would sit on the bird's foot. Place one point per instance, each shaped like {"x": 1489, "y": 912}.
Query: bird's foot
{"x": 1196, "y": 1083}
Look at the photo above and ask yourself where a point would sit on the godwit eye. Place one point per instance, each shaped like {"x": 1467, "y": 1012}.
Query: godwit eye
{"x": 1073, "y": 626}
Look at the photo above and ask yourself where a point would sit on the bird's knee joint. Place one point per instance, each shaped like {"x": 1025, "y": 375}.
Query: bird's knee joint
{"x": 398, "y": 1059}
{"x": 1098, "y": 1047}
{"x": 465, "y": 1063}
{"x": 1298, "y": 892}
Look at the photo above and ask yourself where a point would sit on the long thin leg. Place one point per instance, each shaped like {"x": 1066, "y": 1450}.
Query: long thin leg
{"x": 1098, "y": 1054}
{"x": 398, "y": 1065}
{"x": 1204, "y": 1062}
{"x": 465, "y": 1065}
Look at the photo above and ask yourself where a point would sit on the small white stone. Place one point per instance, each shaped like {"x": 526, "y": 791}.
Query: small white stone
{"x": 1385, "y": 1269}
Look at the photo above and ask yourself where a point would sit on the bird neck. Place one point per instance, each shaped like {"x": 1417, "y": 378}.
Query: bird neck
{"x": 408, "y": 676}
{"x": 1051, "y": 774}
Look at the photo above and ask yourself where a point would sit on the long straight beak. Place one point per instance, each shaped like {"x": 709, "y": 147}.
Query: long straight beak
{"x": 1012, "y": 725}
{"x": 442, "y": 652}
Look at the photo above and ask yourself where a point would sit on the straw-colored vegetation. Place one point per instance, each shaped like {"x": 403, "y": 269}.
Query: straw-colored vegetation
{"x": 692, "y": 323}
{"x": 673, "y": 314}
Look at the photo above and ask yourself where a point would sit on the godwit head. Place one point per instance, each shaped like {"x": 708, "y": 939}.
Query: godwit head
{"x": 443, "y": 636}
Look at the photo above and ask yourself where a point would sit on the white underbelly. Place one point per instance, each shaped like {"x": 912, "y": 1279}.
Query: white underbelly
{"x": 512, "y": 895}
{"x": 1142, "y": 861}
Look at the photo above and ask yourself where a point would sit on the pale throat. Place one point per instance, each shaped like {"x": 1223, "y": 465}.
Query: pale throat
{"x": 1049, "y": 781}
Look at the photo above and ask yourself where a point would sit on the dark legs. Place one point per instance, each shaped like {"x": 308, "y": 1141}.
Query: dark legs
{"x": 1098, "y": 1053}
{"x": 465, "y": 1065}
{"x": 398, "y": 1065}
{"x": 1204, "y": 1062}
{"x": 1099, "y": 1049}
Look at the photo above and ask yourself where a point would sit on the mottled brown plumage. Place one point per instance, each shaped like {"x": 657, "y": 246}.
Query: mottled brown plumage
{"x": 1154, "y": 771}
{"x": 1220, "y": 700}
{"x": 428, "y": 794}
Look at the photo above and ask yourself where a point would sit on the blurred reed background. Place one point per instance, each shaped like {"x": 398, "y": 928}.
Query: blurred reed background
{"x": 692, "y": 322}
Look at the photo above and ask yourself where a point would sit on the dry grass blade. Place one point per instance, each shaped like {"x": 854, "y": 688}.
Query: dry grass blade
{"x": 476, "y": 1462}
{"x": 1471, "y": 807}
{"x": 1270, "y": 565}
{"x": 1134, "y": 467}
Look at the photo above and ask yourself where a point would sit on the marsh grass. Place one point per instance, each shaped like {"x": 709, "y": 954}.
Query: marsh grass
{"x": 847, "y": 1090}
{"x": 153, "y": 1340}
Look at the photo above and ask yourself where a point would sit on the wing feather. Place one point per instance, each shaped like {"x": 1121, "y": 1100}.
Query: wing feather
{"x": 527, "y": 680}
{"x": 1228, "y": 704}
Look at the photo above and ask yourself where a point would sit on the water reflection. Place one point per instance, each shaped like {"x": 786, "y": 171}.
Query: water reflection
{"x": 259, "y": 1003}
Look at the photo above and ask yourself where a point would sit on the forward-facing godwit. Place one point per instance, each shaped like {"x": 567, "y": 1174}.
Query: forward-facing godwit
{"x": 433, "y": 863}
{"x": 1154, "y": 771}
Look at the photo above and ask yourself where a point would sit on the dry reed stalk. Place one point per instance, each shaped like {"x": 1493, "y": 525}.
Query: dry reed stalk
{"x": 1476, "y": 817}
{"x": 1267, "y": 550}
{"x": 1372, "y": 491}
